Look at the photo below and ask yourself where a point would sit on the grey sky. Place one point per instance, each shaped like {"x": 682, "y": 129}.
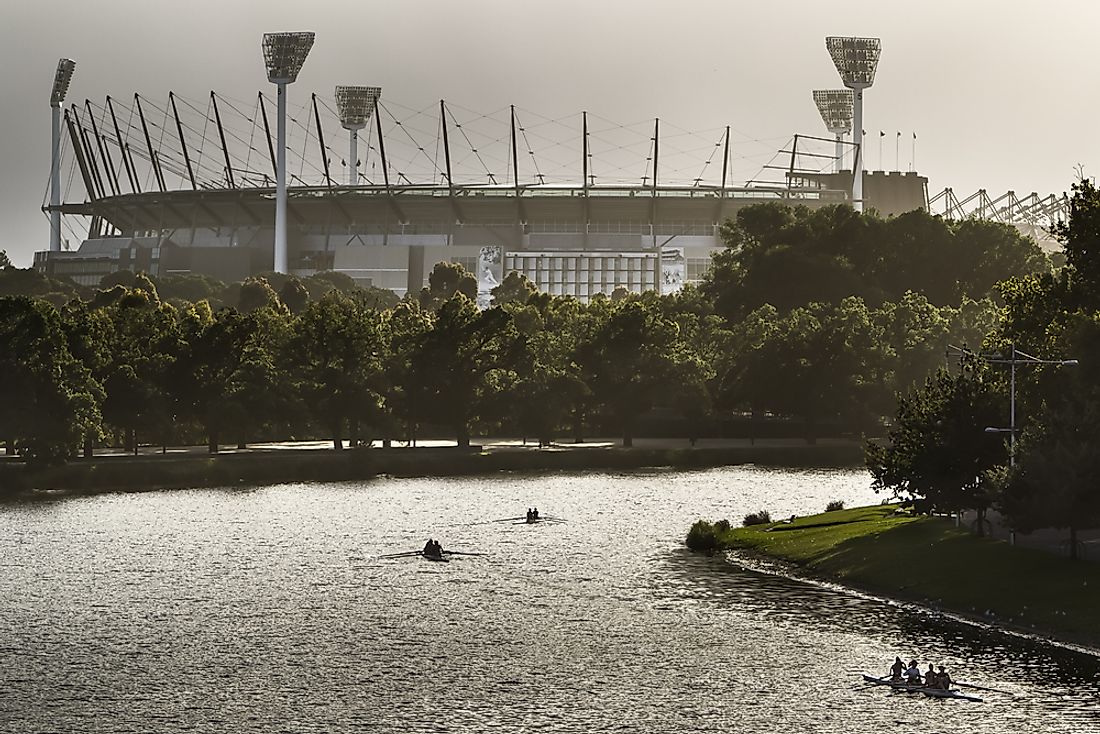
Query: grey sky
{"x": 999, "y": 98}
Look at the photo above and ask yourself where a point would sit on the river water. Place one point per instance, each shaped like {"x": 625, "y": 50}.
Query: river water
{"x": 269, "y": 610}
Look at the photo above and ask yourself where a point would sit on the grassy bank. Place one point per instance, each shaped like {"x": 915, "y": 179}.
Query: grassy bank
{"x": 263, "y": 467}
{"x": 930, "y": 561}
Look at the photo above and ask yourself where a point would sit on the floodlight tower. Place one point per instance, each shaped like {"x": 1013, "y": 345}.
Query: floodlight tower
{"x": 856, "y": 59}
{"x": 355, "y": 105}
{"x": 284, "y": 54}
{"x": 61, "y": 79}
{"x": 835, "y": 106}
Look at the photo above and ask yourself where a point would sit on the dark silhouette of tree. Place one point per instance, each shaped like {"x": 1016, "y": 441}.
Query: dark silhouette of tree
{"x": 938, "y": 450}
{"x": 515, "y": 288}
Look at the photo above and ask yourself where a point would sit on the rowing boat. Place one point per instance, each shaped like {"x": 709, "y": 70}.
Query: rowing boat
{"x": 433, "y": 557}
{"x": 930, "y": 692}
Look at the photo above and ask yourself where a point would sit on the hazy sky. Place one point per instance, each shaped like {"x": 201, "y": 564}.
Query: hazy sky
{"x": 1000, "y": 98}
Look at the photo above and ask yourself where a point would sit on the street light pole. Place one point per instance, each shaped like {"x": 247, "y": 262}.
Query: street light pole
{"x": 1017, "y": 357}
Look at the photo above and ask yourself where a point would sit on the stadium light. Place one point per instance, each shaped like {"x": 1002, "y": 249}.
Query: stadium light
{"x": 284, "y": 54}
{"x": 835, "y": 106}
{"x": 355, "y": 105}
{"x": 856, "y": 59}
{"x": 61, "y": 79}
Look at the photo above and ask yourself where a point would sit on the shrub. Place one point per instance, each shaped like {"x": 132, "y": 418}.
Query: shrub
{"x": 722, "y": 526}
{"x": 757, "y": 518}
{"x": 703, "y": 537}
{"x": 834, "y": 506}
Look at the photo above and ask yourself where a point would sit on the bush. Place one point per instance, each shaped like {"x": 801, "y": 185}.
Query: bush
{"x": 834, "y": 506}
{"x": 703, "y": 537}
{"x": 757, "y": 518}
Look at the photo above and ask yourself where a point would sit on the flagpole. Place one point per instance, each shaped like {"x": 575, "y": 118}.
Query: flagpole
{"x": 881, "y": 135}
{"x": 897, "y": 147}
{"x": 913, "y": 154}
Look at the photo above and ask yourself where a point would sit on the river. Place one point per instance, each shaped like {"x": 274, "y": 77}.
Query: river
{"x": 269, "y": 610}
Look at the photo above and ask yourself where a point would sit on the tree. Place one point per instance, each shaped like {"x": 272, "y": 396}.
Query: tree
{"x": 294, "y": 295}
{"x": 145, "y": 342}
{"x": 1053, "y": 483}
{"x": 445, "y": 280}
{"x": 451, "y": 365}
{"x": 338, "y": 347}
{"x": 257, "y": 293}
{"x": 938, "y": 450}
{"x": 633, "y": 358}
{"x": 4, "y": 261}
{"x": 48, "y": 400}
{"x": 515, "y": 288}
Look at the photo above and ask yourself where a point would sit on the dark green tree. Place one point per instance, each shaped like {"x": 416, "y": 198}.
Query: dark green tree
{"x": 938, "y": 450}
{"x": 515, "y": 288}
{"x": 339, "y": 350}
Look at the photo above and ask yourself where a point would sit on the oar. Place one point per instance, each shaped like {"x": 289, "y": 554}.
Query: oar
{"x": 401, "y": 555}
{"x": 982, "y": 688}
{"x": 460, "y": 553}
{"x": 509, "y": 519}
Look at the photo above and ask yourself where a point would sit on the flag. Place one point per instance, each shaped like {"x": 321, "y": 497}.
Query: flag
{"x": 881, "y": 134}
{"x": 899, "y": 133}
{"x": 914, "y": 136}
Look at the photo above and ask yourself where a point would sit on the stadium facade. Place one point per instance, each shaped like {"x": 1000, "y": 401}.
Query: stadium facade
{"x": 575, "y": 236}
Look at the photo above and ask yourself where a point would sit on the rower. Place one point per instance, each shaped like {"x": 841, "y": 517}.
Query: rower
{"x": 529, "y": 515}
{"x": 535, "y": 513}
{"x": 896, "y": 669}
{"x": 438, "y": 549}
{"x": 943, "y": 679}
{"x": 912, "y": 675}
{"x": 931, "y": 680}
{"x": 428, "y": 547}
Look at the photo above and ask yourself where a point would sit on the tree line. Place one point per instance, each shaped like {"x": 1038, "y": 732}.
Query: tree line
{"x": 815, "y": 317}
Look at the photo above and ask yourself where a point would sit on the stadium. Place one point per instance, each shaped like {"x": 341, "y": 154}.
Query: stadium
{"x": 382, "y": 191}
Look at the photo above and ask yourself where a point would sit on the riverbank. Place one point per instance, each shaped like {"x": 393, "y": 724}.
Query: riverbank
{"x": 928, "y": 561}
{"x": 315, "y": 462}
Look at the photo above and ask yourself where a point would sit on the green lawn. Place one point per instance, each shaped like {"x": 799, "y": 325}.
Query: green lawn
{"x": 929, "y": 560}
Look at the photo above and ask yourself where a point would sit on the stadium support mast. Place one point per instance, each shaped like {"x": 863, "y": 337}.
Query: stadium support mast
{"x": 355, "y": 105}
{"x": 856, "y": 59}
{"x": 835, "y": 106}
{"x": 284, "y": 54}
{"x": 61, "y": 79}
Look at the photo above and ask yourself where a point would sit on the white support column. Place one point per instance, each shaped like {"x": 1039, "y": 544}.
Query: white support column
{"x": 353, "y": 165}
{"x": 55, "y": 180}
{"x": 857, "y": 138}
{"x": 280, "y": 265}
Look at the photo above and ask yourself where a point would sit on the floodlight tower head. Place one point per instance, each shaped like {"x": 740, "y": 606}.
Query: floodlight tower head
{"x": 61, "y": 79}
{"x": 835, "y": 106}
{"x": 284, "y": 54}
{"x": 356, "y": 105}
{"x": 855, "y": 58}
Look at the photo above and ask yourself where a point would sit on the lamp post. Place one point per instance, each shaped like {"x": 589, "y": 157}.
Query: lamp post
{"x": 355, "y": 105}
{"x": 856, "y": 59}
{"x": 835, "y": 106}
{"x": 284, "y": 54}
{"x": 1017, "y": 357}
{"x": 61, "y": 79}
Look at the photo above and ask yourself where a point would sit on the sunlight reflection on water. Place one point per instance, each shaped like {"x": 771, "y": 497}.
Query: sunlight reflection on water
{"x": 269, "y": 609}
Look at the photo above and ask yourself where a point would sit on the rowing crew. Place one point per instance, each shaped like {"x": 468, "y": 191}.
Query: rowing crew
{"x": 433, "y": 548}
{"x": 915, "y": 679}
{"x": 532, "y": 515}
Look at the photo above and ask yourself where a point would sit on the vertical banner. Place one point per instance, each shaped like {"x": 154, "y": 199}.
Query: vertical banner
{"x": 673, "y": 270}
{"x": 490, "y": 272}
